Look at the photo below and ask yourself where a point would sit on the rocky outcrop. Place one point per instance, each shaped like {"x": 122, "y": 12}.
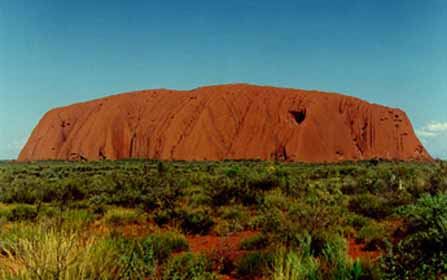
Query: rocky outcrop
{"x": 237, "y": 121}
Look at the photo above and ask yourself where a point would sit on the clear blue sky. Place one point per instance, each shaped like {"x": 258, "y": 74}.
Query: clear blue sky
{"x": 54, "y": 53}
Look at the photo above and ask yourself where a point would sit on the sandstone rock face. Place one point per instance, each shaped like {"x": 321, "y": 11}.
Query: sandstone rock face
{"x": 237, "y": 121}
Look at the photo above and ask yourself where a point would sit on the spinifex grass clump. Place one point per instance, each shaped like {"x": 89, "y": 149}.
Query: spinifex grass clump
{"x": 44, "y": 251}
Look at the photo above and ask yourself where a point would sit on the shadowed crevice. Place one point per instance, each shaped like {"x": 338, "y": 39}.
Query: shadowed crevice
{"x": 299, "y": 116}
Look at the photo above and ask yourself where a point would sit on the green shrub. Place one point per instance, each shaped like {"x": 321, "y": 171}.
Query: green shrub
{"x": 47, "y": 211}
{"x": 235, "y": 212}
{"x": 357, "y": 221}
{"x": 295, "y": 266}
{"x": 254, "y": 264}
{"x": 74, "y": 219}
{"x": 5, "y": 213}
{"x": 233, "y": 219}
{"x": 196, "y": 220}
{"x": 232, "y": 171}
{"x": 163, "y": 167}
{"x": 222, "y": 228}
{"x": 120, "y": 217}
{"x": 373, "y": 235}
{"x": 335, "y": 263}
{"x": 163, "y": 216}
{"x": 71, "y": 189}
{"x": 255, "y": 242}
{"x": 255, "y": 222}
{"x": 369, "y": 205}
{"x": 263, "y": 182}
{"x": 223, "y": 190}
{"x": 23, "y": 189}
{"x": 198, "y": 199}
{"x": 165, "y": 243}
{"x": 319, "y": 214}
{"x": 188, "y": 266}
{"x": 276, "y": 199}
{"x": 438, "y": 181}
{"x": 422, "y": 253}
{"x": 350, "y": 185}
{"x": 135, "y": 260}
{"x": 302, "y": 264}
{"x": 22, "y": 212}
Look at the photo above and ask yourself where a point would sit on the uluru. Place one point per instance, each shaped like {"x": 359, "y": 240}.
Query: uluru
{"x": 236, "y": 121}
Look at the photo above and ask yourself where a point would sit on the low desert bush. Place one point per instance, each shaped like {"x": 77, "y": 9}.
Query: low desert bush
{"x": 22, "y": 212}
{"x": 357, "y": 221}
{"x": 255, "y": 242}
{"x": 233, "y": 171}
{"x": 165, "y": 243}
{"x": 195, "y": 220}
{"x": 135, "y": 259}
{"x": 276, "y": 199}
{"x": 319, "y": 214}
{"x": 370, "y": 205}
{"x": 422, "y": 253}
{"x": 121, "y": 216}
{"x": 253, "y": 264}
{"x": 294, "y": 265}
{"x": 300, "y": 263}
{"x": 438, "y": 181}
{"x": 223, "y": 190}
{"x": 373, "y": 235}
{"x": 232, "y": 219}
{"x": 335, "y": 263}
{"x": 188, "y": 266}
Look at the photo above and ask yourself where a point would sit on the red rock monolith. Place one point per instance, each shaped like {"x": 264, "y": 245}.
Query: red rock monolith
{"x": 237, "y": 121}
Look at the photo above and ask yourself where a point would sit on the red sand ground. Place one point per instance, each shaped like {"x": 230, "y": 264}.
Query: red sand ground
{"x": 237, "y": 121}
{"x": 221, "y": 247}
{"x": 356, "y": 251}
{"x": 229, "y": 245}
